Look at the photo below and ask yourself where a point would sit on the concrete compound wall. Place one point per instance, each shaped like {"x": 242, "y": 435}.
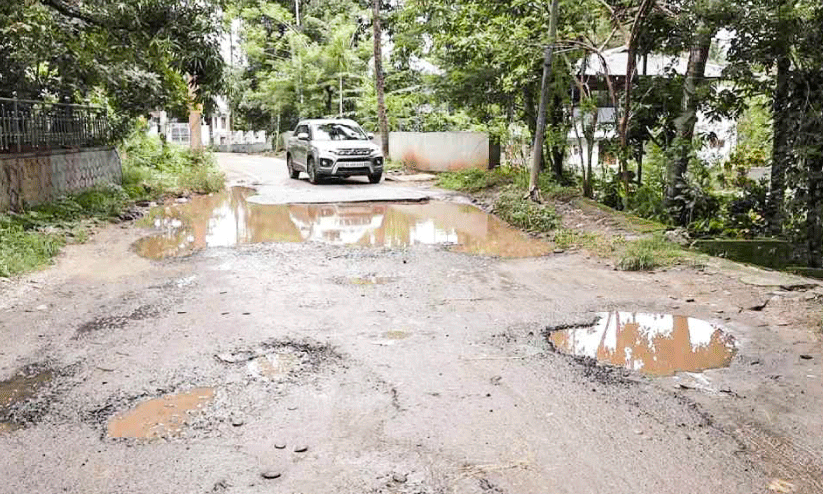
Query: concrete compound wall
{"x": 259, "y": 147}
{"x": 32, "y": 178}
{"x": 443, "y": 151}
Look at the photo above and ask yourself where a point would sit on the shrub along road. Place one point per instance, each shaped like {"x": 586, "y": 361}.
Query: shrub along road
{"x": 316, "y": 367}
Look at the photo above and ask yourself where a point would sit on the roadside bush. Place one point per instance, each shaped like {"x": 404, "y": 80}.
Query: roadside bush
{"x": 647, "y": 202}
{"x": 746, "y": 212}
{"x": 647, "y": 254}
{"x": 153, "y": 168}
{"x": 514, "y": 208}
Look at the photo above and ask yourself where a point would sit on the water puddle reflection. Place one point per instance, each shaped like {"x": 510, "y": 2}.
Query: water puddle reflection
{"x": 161, "y": 417}
{"x": 653, "y": 344}
{"x": 20, "y": 388}
{"x": 227, "y": 219}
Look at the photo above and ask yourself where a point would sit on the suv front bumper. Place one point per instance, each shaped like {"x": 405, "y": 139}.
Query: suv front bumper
{"x": 349, "y": 165}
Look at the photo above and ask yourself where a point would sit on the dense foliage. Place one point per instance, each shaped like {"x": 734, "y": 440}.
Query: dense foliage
{"x": 134, "y": 55}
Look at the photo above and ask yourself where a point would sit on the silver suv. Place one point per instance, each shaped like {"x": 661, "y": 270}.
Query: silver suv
{"x": 333, "y": 148}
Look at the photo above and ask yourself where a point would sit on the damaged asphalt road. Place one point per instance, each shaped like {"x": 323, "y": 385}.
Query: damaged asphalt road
{"x": 311, "y": 367}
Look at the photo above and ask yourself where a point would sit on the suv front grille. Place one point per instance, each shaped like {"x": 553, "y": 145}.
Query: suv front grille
{"x": 353, "y": 152}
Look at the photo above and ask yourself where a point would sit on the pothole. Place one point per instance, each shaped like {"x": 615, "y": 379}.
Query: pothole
{"x": 16, "y": 392}
{"x": 163, "y": 417}
{"x": 281, "y": 359}
{"x": 652, "y": 344}
{"x": 228, "y": 219}
{"x": 273, "y": 366}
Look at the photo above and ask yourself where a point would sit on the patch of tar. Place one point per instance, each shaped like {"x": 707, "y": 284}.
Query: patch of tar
{"x": 118, "y": 322}
{"x": 652, "y": 344}
{"x": 228, "y": 219}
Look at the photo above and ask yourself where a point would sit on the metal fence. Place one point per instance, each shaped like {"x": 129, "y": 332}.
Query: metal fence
{"x": 37, "y": 125}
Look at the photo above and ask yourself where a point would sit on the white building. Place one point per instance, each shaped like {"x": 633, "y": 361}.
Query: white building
{"x": 614, "y": 66}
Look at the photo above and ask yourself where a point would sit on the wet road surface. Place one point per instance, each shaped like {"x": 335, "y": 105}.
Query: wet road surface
{"x": 239, "y": 358}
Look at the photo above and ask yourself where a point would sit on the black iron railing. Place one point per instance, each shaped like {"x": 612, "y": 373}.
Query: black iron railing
{"x": 27, "y": 125}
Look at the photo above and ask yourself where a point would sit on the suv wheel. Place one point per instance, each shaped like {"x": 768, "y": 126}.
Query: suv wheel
{"x": 295, "y": 174}
{"x": 312, "y": 168}
{"x": 375, "y": 178}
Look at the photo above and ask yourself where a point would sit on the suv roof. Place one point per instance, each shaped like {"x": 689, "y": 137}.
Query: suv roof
{"x": 319, "y": 121}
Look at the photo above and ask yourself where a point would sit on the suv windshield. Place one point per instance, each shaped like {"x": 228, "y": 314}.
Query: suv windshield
{"x": 338, "y": 132}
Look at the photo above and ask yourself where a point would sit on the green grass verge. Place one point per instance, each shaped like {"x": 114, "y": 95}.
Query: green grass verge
{"x": 650, "y": 253}
{"x": 474, "y": 180}
{"x": 151, "y": 170}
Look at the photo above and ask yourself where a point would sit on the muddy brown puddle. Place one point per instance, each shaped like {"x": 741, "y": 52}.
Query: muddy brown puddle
{"x": 227, "y": 219}
{"x": 653, "y": 344}
{"x": 20, "y": 388}
{"x": 161, "y": 417}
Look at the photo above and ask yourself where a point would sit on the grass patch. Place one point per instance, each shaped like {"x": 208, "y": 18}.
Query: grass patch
{"x": 153, "y": 168}
{"x": 512, "y": 207}
{"x": 474, "y": 180}
{"x": 30, "y": 239}
{"x": 22, "y": 251}
{"x": 650, "y": 253}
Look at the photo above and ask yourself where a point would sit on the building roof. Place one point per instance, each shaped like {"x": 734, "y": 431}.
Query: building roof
{"x": 656, "y": 64}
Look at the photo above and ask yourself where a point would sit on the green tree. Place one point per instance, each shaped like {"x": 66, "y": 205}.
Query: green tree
{"x": 134, "y": 54}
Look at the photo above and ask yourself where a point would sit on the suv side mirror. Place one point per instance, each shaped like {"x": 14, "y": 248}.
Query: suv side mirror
{"x": 371, "y": 135}
{"x": 303, "y": 136}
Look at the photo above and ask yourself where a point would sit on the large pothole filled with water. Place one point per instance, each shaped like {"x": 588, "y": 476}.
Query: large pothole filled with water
{"x": 652, "y": 344}
{"x": 228, "y": 219}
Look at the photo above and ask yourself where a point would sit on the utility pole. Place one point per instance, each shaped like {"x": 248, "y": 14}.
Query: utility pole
{"x": 228, "y": 100}
{"x": 540, "y": 131}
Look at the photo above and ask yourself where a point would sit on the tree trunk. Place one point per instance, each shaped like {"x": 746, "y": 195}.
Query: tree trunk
{"x": 378, "y": 80}
{"x": 685, "y": 123}
{"x": 548, "y": 55}
{"x": 639, "y": 158}
{"x": 631, "y": 67}
{"x": 814, "y": 229}
{"x": 557, "y": 151}
{"x": 780, "y": 147}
